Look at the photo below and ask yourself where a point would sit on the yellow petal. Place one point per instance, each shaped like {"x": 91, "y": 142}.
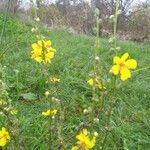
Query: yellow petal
{"x": 3, "y": 142}
{"x": 90, "y": 82}
{"x": 125, "y": 73}
{"x": 53, "y": 112}
{"x": 34, "y": 46}
{"x": 75, "y": 148}
{"x": 92, "y": 143}
{"x": 40, "y": 43}
{"x": 47, "y": 113}
{"x": 47, "y": 44}
{"x": 50, "y": 49}
{"x": 131, "y": 63}
{"x": 124, "y": 57}
{"x": 85, "y": 132}
{"x": 3, "y": 129}
{"x": 37, "y": 52}
{"x": 115, "y": 69}
{"x": 116, "y": 60}
{"x": 49, "y": 55}
{"x": 38, "y": 59}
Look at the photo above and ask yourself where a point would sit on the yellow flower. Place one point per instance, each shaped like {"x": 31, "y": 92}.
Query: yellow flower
{"x": 42, "y": 51}
{"x": 55, "y": 80}
{"x": 84, "y": 141}
{"x": 4, "y": 137}
{"x": 50, "y": 113}
{"x": 75, "y": 148}
{"x": 123, "y": 66}
{"x": 90, "y": 82}
{"x": 97, "y": 83}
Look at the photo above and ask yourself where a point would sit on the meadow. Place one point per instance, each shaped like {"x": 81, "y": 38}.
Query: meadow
{"x": 72, "y": 64}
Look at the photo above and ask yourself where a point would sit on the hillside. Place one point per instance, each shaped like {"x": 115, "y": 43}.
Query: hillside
{"x": 72, "y": 64}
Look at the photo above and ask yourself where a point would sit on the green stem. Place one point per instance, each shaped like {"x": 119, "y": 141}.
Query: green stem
{"x": 108, "y": 126}
{"x": 141, "y": 69}
{"x": 49, "y": 141}
{"x": 17, "y": 84}
{"x": 115, "y": 24}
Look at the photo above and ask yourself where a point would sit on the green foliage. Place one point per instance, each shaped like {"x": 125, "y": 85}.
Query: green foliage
{"x": 130, "y": 119}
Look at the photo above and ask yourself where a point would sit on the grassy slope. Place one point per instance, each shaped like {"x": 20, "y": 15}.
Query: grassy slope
{"x": 73, "y": 62}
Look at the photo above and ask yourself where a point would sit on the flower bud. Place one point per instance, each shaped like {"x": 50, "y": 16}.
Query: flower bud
{"x": 85, "y": 111}
{"x": 33, "y": 30}
{"x": 97, "y": 12}
{"x": 95, "y": 134}
{"x": 96, "y": 58}
{"x": 37, "y": 19}
{"x": 96, "y": 120}
{"x": 111, "y": 17}
{"x": 47, "y": 93}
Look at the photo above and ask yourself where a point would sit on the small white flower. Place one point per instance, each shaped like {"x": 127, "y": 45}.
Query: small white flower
{"x": 53, "y": 117}
{"x": 33, "y": 30}
{"x": 95, "y": 134}
{"x": 85, "y": 111}
{"x": 47, "y": 93}
{"x": 96, "y": 120}
{"x": 118, "y": 12}
{"x": 118, "y": 48}
{"x": 55, "y": 100}
{"x": 37, "y": 36}
{"x": 96, "y": 58}
{"x": 111, "y": 40}
{"x": 37, "y": 19}
{"x": 1, "y": 113}
{"x": 111, "y": 17}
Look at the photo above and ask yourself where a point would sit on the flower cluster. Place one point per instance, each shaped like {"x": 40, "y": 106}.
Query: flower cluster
{"x": 123, "y": 65}
{"x": 4, "y": 137}
{"x": 50, "y": 113}
{"x": 84, "y": 141}
{"x": 6, "y": 108}
{"x": 42, "y": 51}
{"x": 54, "y": 80}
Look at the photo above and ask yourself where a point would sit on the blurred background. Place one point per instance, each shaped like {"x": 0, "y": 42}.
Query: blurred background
{"x": 78, "y": 16}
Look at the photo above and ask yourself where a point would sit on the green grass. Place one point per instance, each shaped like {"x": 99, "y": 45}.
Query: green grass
{"x": 130, "y": 120}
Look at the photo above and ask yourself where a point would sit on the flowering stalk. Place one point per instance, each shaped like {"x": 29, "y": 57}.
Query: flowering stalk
{"x": 115, "y": 19}
{"x": 96, "y": 50}
{"x": 107, "y": 126}
{"x": 17, "y": 82}
{"x": 115, "y": 24}
{"x": 43, "y": 53}
{"x": 98, "y": 82}
{"x": 59, "y": 122}
{"x": 92, "y": 81}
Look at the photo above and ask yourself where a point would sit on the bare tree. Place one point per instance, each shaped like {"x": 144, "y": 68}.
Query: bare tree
{"x": 14, "y": 5}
